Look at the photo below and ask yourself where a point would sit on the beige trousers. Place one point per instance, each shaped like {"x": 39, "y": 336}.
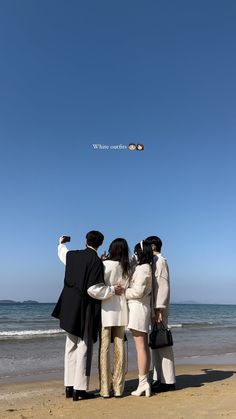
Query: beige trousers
{"x": 75, "y": 363}
{"x": 117, "y": 379}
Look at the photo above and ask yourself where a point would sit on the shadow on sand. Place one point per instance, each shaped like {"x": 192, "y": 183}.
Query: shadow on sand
{"x": 209, "y": 375}
{"x": 186, "y": 380}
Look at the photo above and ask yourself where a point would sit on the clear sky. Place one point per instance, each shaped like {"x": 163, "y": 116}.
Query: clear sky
{"x": 77, "y": 73}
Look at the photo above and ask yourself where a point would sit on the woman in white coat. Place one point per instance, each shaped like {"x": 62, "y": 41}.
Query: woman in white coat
{"x": 139, "y": 301}
{"x": 114, "y": 318}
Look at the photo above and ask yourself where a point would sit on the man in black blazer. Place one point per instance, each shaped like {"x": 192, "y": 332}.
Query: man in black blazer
{"x": 79, "y": 314}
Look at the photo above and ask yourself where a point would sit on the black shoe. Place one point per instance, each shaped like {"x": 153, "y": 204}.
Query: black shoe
{"x": 162, "y": 388}
{"x": 155, "y": 383}
{"x": 69, "y": 392}
{"x": 82, "y": 395}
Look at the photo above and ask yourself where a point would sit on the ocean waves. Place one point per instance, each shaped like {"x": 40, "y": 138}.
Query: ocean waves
{"x": 53, "y": 332}
{"x": 25, "y": 323}
{"x": 201, "y": 325}
{"x": 29, "y": 334}
{"x": 191, "y": 325}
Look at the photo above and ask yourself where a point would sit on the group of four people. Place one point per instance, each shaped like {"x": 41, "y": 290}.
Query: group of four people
{"x": 107, "y": 295}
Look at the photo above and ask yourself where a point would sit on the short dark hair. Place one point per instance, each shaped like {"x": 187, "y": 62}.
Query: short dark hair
{"x": 156, "y": 241}
{"x": 94, "y": 238}
{"x": 144, "y": 252}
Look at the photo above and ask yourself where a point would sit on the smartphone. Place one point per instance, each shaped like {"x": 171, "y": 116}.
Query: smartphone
{"x": 65, "y": 239}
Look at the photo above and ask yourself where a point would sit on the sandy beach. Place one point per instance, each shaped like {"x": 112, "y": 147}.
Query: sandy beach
{"x": 31, "y": 368}
{"x": 203, "y": 391}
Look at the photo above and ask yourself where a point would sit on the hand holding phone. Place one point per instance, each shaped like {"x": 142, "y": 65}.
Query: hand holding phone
{"x": 64, "y": 239}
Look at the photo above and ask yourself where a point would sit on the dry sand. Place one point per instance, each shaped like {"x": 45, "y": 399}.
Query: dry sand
{"x": 202, "y": 392}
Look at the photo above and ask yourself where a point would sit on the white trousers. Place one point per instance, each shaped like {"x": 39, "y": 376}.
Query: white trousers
{"x": 75, "y": 363}
{"x": 163, "y": 363}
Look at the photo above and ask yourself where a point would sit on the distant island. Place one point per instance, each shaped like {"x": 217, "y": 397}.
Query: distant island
{"x": 18, "y": 302}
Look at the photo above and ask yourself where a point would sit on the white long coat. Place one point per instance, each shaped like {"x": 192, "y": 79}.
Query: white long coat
{"x": 161, "y": 283}
{"x": 139, "y": 298}
{"x": 114, "y": 307}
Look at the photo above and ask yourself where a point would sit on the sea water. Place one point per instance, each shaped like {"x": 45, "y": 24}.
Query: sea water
{"x": 31, "y": 341}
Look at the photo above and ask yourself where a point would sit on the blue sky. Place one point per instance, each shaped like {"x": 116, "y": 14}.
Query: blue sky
{"x": 79, "y": 73}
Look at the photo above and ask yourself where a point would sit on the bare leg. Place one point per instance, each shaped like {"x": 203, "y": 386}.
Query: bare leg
{"x": 143, "y": 357}
{"x": 143, "y": 352}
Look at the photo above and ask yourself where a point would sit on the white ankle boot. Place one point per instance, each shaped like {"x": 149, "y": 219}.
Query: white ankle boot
{"x": 143, "y": 387}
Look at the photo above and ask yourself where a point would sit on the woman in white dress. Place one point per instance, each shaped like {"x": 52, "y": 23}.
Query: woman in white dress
{"x": 114, "y": 318}
{"x": 139, "y": 301}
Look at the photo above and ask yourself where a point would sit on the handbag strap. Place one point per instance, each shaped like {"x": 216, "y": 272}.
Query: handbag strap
{"x": 157, "y": 326}
{"x": 163, "y": 326}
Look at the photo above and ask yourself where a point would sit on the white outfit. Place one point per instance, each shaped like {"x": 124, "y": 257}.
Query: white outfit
{"x": 75, "y": 363}
{"x": 139, "y": 298}
{"x": 163, "y": 358}
{"x": 75, "y": 347}
{"x": 161, "y": 283}
{"x": 114, "y": 320}
{"x": 114, "y": 307}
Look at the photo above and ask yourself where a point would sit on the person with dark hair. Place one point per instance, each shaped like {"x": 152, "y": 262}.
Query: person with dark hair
{"x": 79, "y": 314}
{"x": 163, "y": 358}
{"x": 114, "y": 318}
{"x": 94, "y": 239}
{"x": 139, "y": 302}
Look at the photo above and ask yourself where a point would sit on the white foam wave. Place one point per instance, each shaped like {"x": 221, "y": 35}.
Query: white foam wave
{"x": 24, "y": 333}
{"x": 175, "y": 326}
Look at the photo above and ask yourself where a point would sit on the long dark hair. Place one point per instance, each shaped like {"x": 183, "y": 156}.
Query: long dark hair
{"x": 119, "y": 251}
{"x": 143, "y": 250}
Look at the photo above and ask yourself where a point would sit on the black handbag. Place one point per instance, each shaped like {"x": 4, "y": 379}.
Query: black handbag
{"x": 160, "y": 336}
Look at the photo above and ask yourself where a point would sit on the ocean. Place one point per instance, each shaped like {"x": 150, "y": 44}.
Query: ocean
{"x": 31, "y": 342}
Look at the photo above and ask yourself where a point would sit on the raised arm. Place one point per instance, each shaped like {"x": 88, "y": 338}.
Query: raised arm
{"x": 62, "y": 251}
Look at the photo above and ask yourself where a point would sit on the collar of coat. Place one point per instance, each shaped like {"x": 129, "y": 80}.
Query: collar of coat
{"x": 90, "y": 247}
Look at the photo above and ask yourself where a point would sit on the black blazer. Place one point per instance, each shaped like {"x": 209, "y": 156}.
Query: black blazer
{"x": 77, "y": 311}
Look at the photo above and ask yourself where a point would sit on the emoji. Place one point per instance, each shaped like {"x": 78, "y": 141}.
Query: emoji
{"x": 140, "y": 147}
{"x": 132, "y": 146}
